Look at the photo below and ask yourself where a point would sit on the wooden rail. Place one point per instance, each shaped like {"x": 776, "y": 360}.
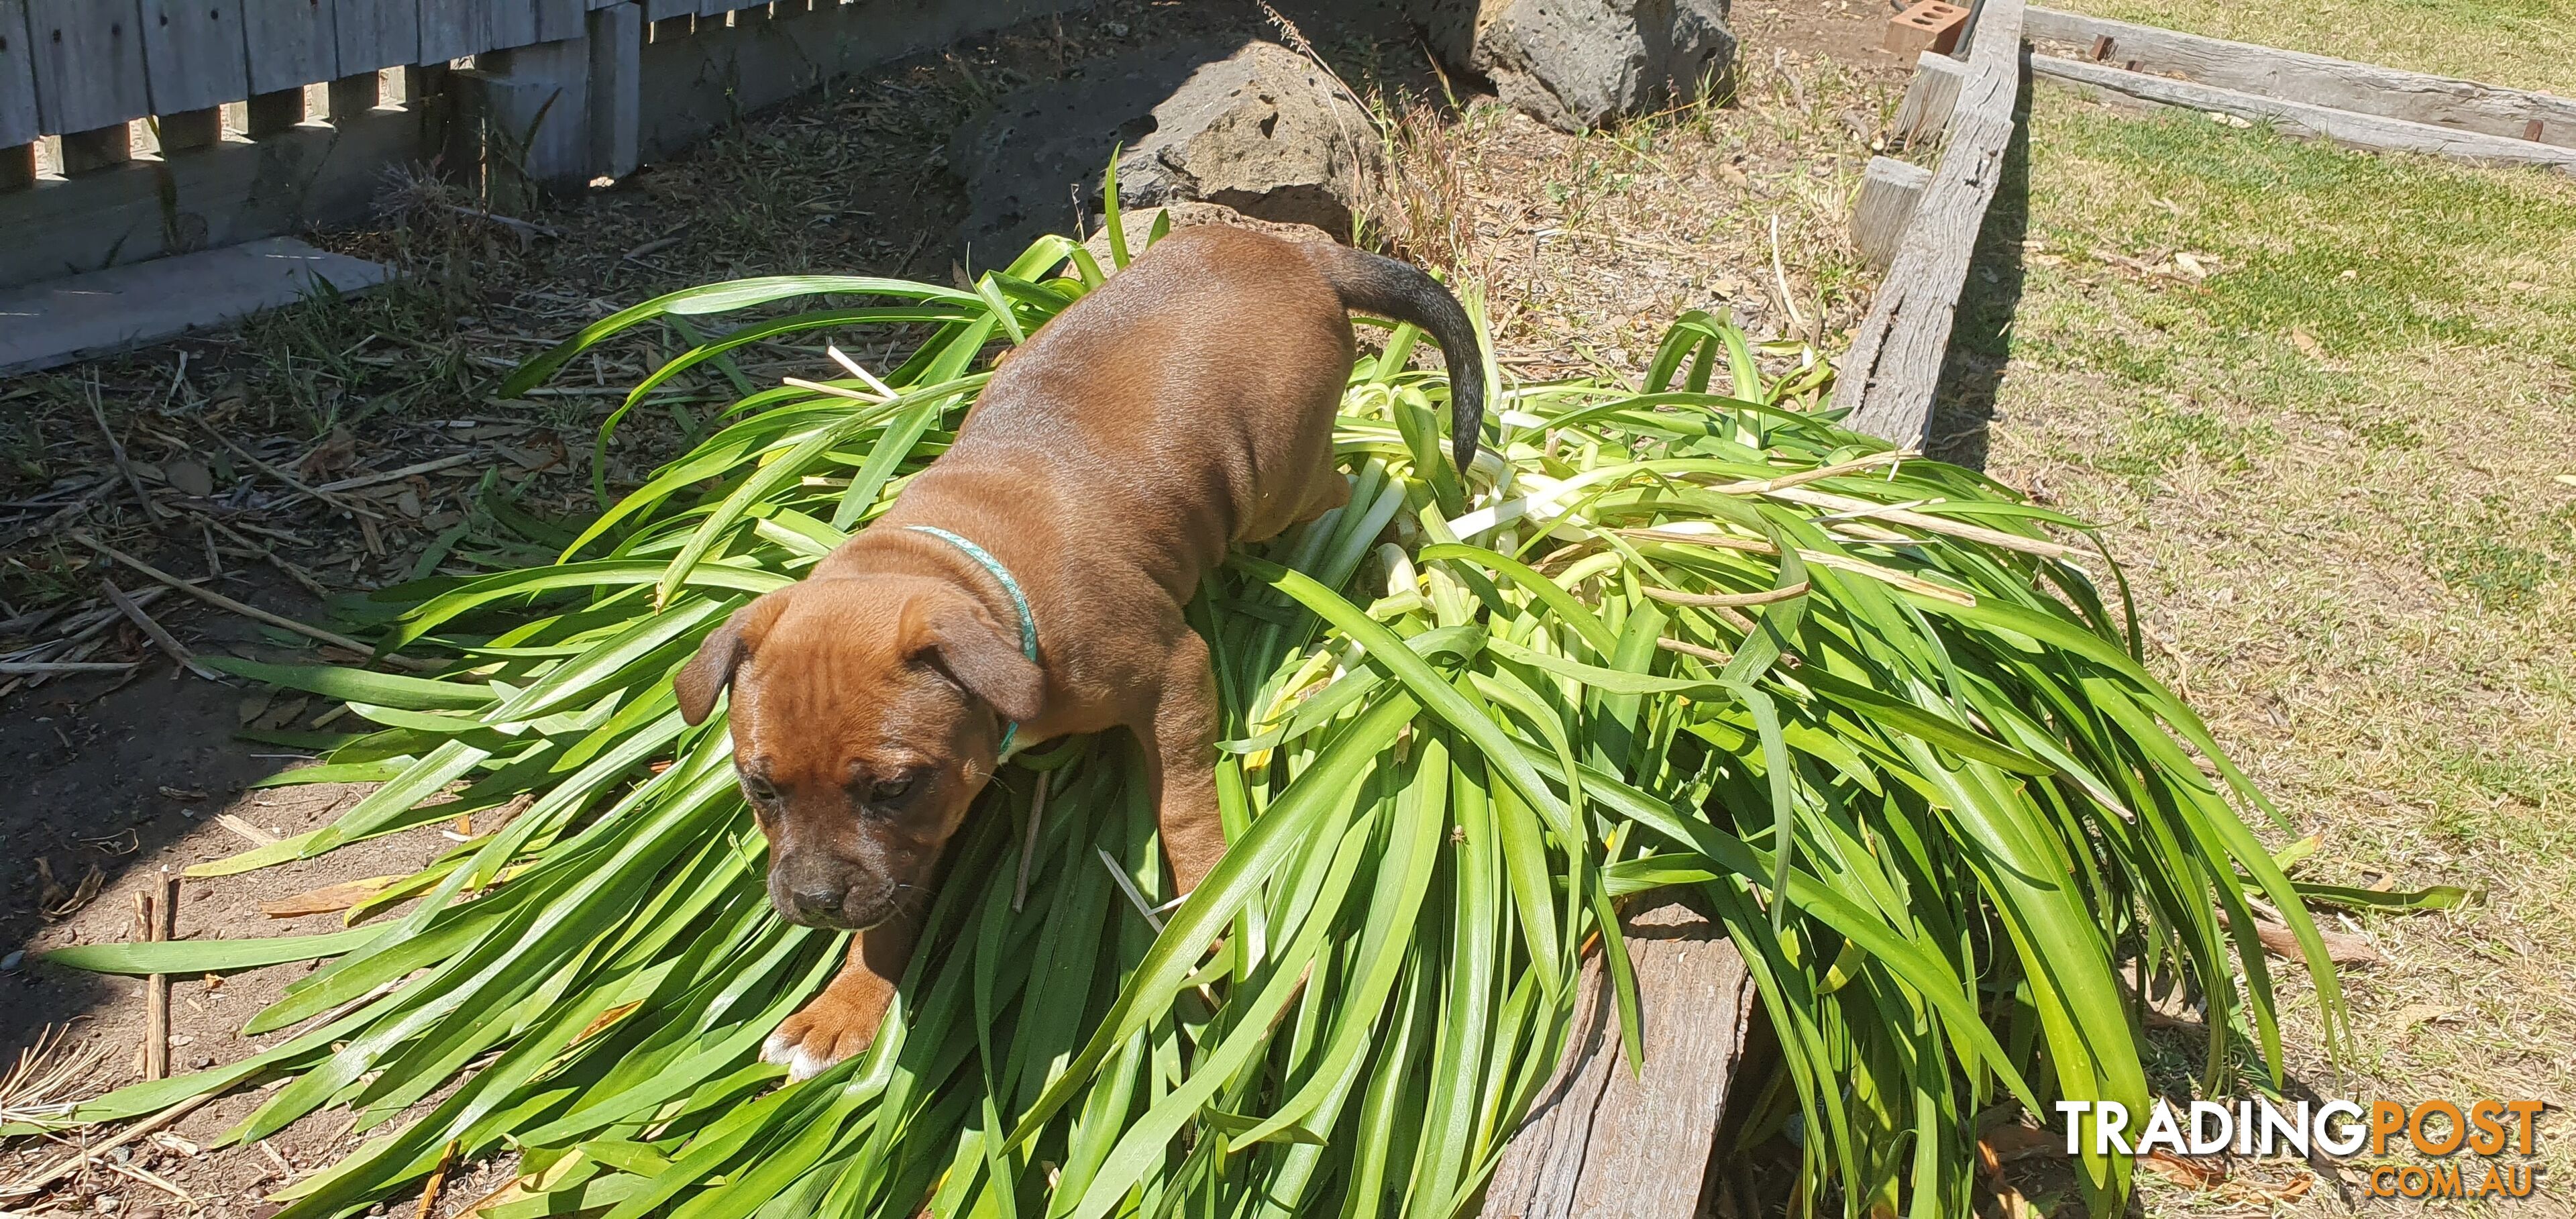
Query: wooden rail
{"x": 1888, "y": 378}
{"x": 2314, "y": 80}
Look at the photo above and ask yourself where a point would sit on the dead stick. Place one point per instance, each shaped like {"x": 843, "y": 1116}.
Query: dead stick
{"x": 341, "y": 502}
{"x": 157, "y": 924}
{"x": 72, "y": 1163}
{"x": 437, "y": 1181}
{"x": 159, "y": 635}
{"x": 116, "y": 452}
{"x": 40, "y": 668}
{"x": 297, "y": 574}
{"x": 253, "y": 612}
{"x": 369, "y": 480}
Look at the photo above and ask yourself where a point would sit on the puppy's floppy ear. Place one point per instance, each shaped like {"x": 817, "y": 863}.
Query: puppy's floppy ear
{"x": 711, "y": 670}
{"x": 975, "y": 650}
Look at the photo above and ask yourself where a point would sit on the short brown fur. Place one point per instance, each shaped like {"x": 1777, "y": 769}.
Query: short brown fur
{"x": 1184, "y": 406}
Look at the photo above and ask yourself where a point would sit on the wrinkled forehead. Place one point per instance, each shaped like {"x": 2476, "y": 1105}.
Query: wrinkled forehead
{"x": 819, "y": 694}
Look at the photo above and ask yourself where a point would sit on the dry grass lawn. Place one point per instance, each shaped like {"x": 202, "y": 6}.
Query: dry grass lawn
{"x": 2324, "y": 406}
{"x": 2520, "y": 44}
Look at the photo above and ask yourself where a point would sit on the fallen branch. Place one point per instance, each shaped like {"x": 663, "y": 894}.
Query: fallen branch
{"x": 159, "y": 915}
{"x": 75, "y": 1161}
{"x": 116, "y": 453}
{"x": 252, "y": 612}
{"x": 341, "y": 502}
{"x": 2280, "y": 941}
{"x": 293, "y": 572}
{"x": 159, "y": 635}
{"x": 369, "y": 480}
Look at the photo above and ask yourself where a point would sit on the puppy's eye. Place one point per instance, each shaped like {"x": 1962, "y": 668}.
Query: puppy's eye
{"x": 759, "y": 790}
{"x": 890, "y": 790}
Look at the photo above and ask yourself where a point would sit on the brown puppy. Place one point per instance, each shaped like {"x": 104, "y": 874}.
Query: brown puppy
{"x": 1185, "y": 405}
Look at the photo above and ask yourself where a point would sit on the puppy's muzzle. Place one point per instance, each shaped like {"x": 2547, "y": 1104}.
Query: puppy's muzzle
{"x": 833, "y": 893}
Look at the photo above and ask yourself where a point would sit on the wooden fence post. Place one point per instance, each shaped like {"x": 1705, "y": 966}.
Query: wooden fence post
{"x": 1889, "y": 189}
{"x": 1603, "y": 1140}
{"x": 1929, "y": 97}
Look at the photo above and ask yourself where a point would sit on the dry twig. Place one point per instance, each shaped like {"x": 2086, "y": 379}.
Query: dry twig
{"x": 253, "y": 612}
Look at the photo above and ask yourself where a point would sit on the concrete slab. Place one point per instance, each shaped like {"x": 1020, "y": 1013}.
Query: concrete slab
{"x": 59, "y": 321}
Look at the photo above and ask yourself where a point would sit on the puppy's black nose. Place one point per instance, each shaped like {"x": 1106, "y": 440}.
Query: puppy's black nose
{"x": 821, "y": 907}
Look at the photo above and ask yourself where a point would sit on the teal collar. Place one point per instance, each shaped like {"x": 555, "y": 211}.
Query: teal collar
{"x": 1019, "y": 601}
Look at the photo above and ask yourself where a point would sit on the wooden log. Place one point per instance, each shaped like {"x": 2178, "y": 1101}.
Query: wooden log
{"x": 108, "y": 311}
{"x": 1888, "y": 378}
{"x": 1929, "y": 98}
{"x": 2353, "y": 130}
{"x": 2438, "y": 101}
{"x": 1889, "y": 191}
{"x": 88, "y": 60}
{"x": 17, "y": 79}
{"x": 536, "y": 108}
{"x": 1603, "y": 1140}
{"x": 193, "y": 55}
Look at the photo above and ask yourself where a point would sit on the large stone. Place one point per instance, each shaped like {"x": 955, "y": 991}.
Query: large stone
{"x": 1252, "y": 126}
{"x": 1263, "y": 131}
{"x": 1032, "y": 163}
{"x": 1577, "y": 64}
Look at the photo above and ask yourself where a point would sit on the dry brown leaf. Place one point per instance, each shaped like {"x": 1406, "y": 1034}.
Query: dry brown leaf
{"x": 2191, "y": 1173}
{"x": 245, "y": 829}
{"x": 191, "y": 476}
{"x": 327, "y": 899}
{"x": 2013, "y": 1141}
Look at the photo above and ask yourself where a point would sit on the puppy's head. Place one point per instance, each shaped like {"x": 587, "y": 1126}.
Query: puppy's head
{"x": 866, "y": 714}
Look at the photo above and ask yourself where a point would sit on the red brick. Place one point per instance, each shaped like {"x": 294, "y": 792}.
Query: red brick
{"x": 1930, "y": 25}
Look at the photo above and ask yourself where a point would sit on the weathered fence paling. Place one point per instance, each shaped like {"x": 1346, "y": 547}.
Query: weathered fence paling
{"x": 1894, "y": 365}
{"x": 2315, "y": 80}
{"x": 132, "y": 96}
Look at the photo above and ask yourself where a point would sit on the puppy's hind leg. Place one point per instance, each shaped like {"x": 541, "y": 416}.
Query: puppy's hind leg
{"x": 1180, "y": 756}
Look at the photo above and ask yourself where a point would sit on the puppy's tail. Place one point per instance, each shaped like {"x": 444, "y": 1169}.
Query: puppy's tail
{"x": 1369, "y": 283}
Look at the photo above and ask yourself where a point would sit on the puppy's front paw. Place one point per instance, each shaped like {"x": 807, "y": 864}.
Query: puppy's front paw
{"x": 827, "y": 1031}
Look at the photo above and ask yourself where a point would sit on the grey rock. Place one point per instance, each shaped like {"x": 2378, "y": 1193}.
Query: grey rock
{"x": 1577, "y": 64}
{"x": 1263, "y": 131}
{"x": 1252, "y": 126}
{"x": 1032, "y": 163}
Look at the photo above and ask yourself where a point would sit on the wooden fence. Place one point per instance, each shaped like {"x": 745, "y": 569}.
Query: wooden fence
{"x": 1923, "y": 224}
{"x": 135, "y": 128}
